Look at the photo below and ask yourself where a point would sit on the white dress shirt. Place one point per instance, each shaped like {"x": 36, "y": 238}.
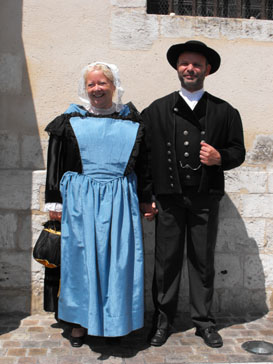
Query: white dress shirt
{"x": 191, "y": 98}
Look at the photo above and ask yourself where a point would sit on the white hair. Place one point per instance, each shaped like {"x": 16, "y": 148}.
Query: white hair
{"x": 82, "y": 92}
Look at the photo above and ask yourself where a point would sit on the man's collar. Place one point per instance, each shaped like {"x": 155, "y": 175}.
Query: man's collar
{"x": 192, "y": 96}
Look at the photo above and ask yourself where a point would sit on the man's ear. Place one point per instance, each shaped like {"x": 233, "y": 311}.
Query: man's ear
{"x": 208, "y": 69}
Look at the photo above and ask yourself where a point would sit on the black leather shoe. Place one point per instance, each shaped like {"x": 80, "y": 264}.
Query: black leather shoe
{"x": 210, "y": 336}
{"x": 76, "y": 342}
{"x": 160, "y": 337}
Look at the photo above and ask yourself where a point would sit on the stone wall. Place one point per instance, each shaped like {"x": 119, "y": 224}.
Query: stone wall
{"x": 44, "y": 48}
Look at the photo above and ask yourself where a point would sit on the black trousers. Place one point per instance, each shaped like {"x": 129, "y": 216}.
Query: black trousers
{"x": 194, "y": 216}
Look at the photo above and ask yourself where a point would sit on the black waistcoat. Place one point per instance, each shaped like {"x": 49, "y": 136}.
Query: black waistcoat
{"x": 189, "y": 132}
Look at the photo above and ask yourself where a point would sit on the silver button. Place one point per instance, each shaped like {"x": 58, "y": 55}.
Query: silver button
{"x": 169, "y": 152}
{"x": 171, "y": 176}
{"x": 171, "y": 185}
{"x": 188, "y": 176}
{"x": 203, "y": 141}
{"x": 203, "y": 132}
{"x": 170, "y": 169}
{"x": 186, "y": 143}
{"x": 169, "y": 160}
{"x": 186, "y": 154}
{"x": 169, "y": 144}
{"x": 185, "y": 132}
{"x": 175, "y": 109}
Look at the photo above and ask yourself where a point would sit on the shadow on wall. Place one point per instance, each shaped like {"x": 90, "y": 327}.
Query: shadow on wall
{"x": 240, "y": 280}
{"x": 20, "y": 154}
{"x": 240, "y": 294}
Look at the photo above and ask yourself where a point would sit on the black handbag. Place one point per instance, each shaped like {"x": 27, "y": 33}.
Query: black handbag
{"x": 47, "y": 249}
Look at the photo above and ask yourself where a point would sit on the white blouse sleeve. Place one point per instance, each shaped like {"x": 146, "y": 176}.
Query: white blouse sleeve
{"x": 53, "y": 206}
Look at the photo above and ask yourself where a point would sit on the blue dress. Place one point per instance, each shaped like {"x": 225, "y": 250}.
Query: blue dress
{"x": 102, "y": 252}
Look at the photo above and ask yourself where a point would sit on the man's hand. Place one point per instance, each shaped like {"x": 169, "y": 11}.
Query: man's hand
{"x": 149, "y": 210}
{"x": 209, "y": 155}
{"x": 55, "y": 215}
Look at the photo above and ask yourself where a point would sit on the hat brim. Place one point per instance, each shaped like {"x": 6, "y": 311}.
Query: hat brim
{"x": 211, "y": 55}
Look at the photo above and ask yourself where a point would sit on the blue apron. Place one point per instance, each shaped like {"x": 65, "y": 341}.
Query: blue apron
{"x": 102, "y": 251}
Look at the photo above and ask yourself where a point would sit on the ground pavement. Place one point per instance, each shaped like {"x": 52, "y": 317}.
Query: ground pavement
{"x": 38, "y": 339}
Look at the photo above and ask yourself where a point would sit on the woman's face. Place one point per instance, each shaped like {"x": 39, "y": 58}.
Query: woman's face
{"x": 100, "y": 89}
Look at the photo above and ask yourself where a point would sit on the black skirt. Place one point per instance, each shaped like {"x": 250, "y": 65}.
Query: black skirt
{"x": 51, "y": 289}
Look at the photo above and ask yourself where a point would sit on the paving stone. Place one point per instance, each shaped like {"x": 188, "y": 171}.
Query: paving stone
{"x": 36, "y": 329}
{"x": 30, "y": 322}
{"x": 8, "y": 360}
{"x": 38, "y": 339}
{"x": 37, "y": 351}
{"x": 27, "y": 361}
{"x": 47, "y": 360}
{"x": 11, "y": 344}
{"x": 60, "y": 351}
{"x": 16, "y": 352}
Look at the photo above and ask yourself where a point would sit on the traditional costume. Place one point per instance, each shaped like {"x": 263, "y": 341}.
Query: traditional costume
{"x": 92, "y": 165}
{"x": 188, "y": 192}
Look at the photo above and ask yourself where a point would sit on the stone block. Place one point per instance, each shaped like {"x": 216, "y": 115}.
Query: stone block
{"x": 237, "y": 235}
{"x": 37, "y": 299}
{"x": 246, "y": 180}
{"x": 254, "y": 277}
{"x": 231, "y": 28}
{"x": 129, "y": 3}
{"x": 262, "y": 151}
{"x": 15, "y": 270}
{"x": 257, "y": 205}
{"x": 9, "y": 150}
{"x": 15, "y": 189}
{"x": 257, "y": 30}
{"x": 32, "y": 153}
{"x": 269, "y": 299}
{"x": 11, "y": 74}
{"x": 269, "y": 235}
{"x": 37, "y": 271}
{"x": 24, "y": 235}
{"x": 9, "y": 225}
{"x": 240, "y": 300}
{"x": 228, "y": 271}
{"x": 38, "y": 181}
{"x": 230, "y": 206}
{"x": 270, "y": 181}
{"x": 15, "y": 301}
{"x": 266, "y": 261}
{"x": 133, "y": 29}
{"x": 246, "y": 28}
{"x": 209, "y": 26}
{"x": 176, "y": 26}
{"x": 37, "y": 221}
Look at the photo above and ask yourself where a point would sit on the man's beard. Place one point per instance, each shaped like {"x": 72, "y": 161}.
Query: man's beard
{"x": 192, "y": 85}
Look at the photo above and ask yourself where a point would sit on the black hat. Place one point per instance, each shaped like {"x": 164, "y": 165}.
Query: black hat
{"x": 211, "y": 55}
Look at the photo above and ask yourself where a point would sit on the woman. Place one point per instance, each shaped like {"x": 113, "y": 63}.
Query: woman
{"x": 94, "y": 152}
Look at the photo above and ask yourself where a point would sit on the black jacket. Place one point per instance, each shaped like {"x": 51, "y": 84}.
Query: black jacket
{"x": 223, "y": 131}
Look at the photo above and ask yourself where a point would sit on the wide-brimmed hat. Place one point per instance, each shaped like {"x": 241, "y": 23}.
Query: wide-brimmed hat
{"x": 211, "y": 55}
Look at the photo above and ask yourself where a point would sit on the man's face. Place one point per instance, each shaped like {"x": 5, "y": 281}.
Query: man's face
{"x": 192, "y": 68}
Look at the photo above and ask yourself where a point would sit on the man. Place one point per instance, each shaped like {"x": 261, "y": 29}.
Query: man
{"x": 192, "y": 138}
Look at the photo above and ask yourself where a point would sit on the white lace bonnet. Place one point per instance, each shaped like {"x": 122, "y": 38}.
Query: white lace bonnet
{"x": 82, "y": 88}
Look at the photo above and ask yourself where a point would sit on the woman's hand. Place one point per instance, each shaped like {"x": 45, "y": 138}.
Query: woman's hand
{"x": 149, "y": 210}
{"x": 55, "y": 215}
